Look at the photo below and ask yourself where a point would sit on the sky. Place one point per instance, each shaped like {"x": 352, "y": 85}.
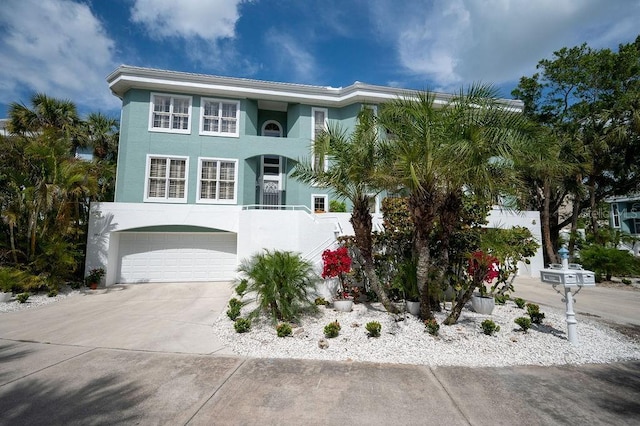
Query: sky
{"x": 66, "y": 48}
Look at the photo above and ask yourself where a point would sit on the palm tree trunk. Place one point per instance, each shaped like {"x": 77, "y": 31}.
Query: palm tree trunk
{"x": 12, "y": 239}
{"x": 462, "y": 300}
{"x": 546, "y": 224}
{"x": 362, "y": 226}
{"x": 575, "y": 213}
{"x": 422, "y": 272}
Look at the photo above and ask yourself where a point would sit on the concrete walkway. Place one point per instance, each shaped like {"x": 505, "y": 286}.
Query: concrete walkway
{"x": 145, "y": 354}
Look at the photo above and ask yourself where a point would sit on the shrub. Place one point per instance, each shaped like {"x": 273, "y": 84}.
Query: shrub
{"x": 242, "y": 325}
{"x": 520, "y": 302}
{"x": 282, "y": 281}
{"x": 432, "y": 326}
{"x": 22, "y": 297}
{"x": 489, "y": 327}
{"x": 607, "y": 261}
{"x": 332, "y": 329}
{"x": 337, "y": 206}
{"x": 241, "y": 287}
{"x": 373, "y": 327}
{"x": 501, "y": 299}
{"x": 320, "y": 301}
{"x": 52, "y": 292}
{"x": 534, "y": 312}
{"x": 523, "y": 322}
{"x": 283, "y": 330}
{"x": 234, "y": 309}
{"x": 626, "y": 281}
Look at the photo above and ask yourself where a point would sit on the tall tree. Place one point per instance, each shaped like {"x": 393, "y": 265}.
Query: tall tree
{"x": 440, "y": 152}
{"x": 352, "y": 172}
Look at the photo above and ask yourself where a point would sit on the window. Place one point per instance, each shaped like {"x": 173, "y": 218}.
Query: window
{"x": 318, "y": 125}
{"x": 170, "y": 113}
{"x": 217, "y": 181}
{"x": 320, "y": 202}
{"x": 219, "y": 117}
{"x": 166, "y": 179}
{"x": 272, "y": 128}
{"x": 616, "y": 215}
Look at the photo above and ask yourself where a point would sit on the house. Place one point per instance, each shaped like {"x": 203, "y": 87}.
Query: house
{"x": 204, "y": 174}
{"x": 625, "y": 217}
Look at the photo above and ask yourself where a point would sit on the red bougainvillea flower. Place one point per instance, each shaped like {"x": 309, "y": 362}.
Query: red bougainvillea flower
{"x": 483, "y": 266}
{"x": 335, "y": 262}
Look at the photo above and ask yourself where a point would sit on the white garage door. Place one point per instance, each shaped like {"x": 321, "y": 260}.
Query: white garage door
{"x": 176, "y": 257}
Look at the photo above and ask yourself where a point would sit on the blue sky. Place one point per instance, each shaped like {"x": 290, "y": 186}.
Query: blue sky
{"x": 66, "y": 48}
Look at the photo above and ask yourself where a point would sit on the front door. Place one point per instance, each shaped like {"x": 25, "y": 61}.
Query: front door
{"x": 271, "y": 181}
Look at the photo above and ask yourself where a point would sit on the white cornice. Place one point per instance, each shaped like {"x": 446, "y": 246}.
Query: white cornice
{"x": 127, "y": 77}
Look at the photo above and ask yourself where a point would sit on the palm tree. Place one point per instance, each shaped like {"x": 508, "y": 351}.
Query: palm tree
{"x": 440, "y": 153}
{"x": 101, "y": 132}
{"x": 352, "y": 172}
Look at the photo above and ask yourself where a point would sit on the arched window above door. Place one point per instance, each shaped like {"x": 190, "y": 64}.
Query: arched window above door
{"x": 272, "y": 128}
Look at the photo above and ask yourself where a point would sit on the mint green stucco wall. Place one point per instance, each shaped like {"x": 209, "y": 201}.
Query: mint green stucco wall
{"x": 136, "y": 141}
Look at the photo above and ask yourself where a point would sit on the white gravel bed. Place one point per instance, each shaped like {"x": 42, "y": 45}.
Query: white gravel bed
{"x": 405, "y": 341}
{"x": 36, "y": 300}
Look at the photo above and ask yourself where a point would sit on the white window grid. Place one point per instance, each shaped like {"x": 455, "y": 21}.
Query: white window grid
{"x": 170, "y": 113}
{"x": 217, "y": 180}
{"x": 166, "y": 179}
{"x": 320, "y": 203}
{"x": 319, "y": 124}
{"x": 219, "y": 117}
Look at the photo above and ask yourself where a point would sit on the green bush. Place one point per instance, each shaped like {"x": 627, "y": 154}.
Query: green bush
{"x": 241, "y": 287}
{"x": 520, "y": 302}
{"x": 534, "y": 312}
{"x": 337, "y": 206}
{"x": 22, "y": 297}
{"x": 242, "y": 325}
{"x": 320, "y": 301}
{"x": 283, "y": 330}
{"x": 432, "y": 326}
{"x": 501, "y": 299}
{"x": 52, "y": 292}
{"x": 489, "y": 327}
{"x": 626, "y": 281}
{"x": 373, "y": 328}
{"x": 607, "y": 261}
{"x": 332, "y": 329}
{"x": 282, "y": 281}
{"x": 523, "y": 322}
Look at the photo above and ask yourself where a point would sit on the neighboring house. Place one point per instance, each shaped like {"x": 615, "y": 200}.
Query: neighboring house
{"x": 204, "y": 174}
{"x": 625, "y": 216}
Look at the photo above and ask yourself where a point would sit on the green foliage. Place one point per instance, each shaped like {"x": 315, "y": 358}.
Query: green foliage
{"x": 241, "y": 287}
{"x": 242, "y": 325}
{"x": 373, "y": 328}
{"x": 501, "y": 299}
{"x": 320, "y": 301}
{"x": 332, "y": 329}
{"x": 432, "y": 326}
{"x": 234, "y": 309}
{"x": 489, "y": 327}
{"x": 607, "y": 261}
{"x": 22, "y": 297}
{"x": 523, "y": 322}
{"x": 283, "y": 330}
{"x": 337, "y": 206}
{"x": 520, "y": 302}
{"x": 626, "y": 281}
{"x": 534, "y": 312}
{"x": 52, "y": 292}
{"x": 282, "y": 281}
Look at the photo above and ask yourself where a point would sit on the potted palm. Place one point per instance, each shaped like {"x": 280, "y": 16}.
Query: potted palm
{"x": 93, "y": 278}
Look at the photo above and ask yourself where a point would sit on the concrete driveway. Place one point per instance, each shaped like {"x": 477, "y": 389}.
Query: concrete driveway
{"x": 146, "y": 354}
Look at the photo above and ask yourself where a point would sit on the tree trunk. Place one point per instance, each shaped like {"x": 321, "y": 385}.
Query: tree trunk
{"x": 594, "y": 214}
{"x": 550, "y": 254}
{"x": 12, "y": 238}
{"x": 362, "y": 226}
{"x": 422, "y": 208}
{"x": 574, "y": 225}
{"x": 422, "y": 273}
{"x": 462, "y": 300}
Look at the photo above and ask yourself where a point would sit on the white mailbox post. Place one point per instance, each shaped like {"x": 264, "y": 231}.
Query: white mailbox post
{"x": 570, "y": 276}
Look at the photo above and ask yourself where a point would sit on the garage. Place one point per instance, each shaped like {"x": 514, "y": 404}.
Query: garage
{"x": 176, "y": 256}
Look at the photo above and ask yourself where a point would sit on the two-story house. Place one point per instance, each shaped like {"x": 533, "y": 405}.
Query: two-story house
{"x": 204, "y": 174}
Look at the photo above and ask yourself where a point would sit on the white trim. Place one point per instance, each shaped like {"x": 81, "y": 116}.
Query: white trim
{"x": 264, "y": 125}
{"x": 166, "y": 198}
{"x": 200, "y": 200}
{"x": 326, "y": 201}
{"x": 313, "y": 135}
{"x": 615, "y": 215}
{"x": 169, "y": 129}
{"x": 376, "y": 203}
{"x": 220, "y": 132}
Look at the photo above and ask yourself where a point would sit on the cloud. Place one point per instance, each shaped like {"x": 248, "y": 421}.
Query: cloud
{"x": 496, "y": 41}
{"x": 55, "y": 47}
{"x": 292, "y": 57}
{"x": 211, "y": 19}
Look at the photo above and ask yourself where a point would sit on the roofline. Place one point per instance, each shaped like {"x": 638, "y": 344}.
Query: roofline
{"x": 126, "y": 77}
